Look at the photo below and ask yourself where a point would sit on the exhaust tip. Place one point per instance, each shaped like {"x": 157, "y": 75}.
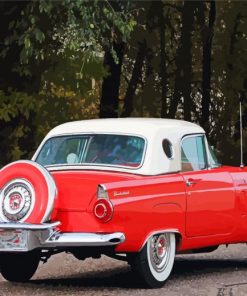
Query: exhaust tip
{"x": 119, "y": 238}
{"x": 115, "y": 240}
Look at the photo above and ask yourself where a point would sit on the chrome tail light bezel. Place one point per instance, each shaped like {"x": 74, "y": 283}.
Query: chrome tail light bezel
{"x": 103, "y": 202}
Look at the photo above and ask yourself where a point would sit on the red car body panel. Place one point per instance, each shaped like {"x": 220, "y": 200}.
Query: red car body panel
{"x": 211, "y": 203}
{"x": 210, "y": 212}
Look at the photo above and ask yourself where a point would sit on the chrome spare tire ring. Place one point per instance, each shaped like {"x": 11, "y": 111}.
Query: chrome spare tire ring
{"x": 27, "y": 193}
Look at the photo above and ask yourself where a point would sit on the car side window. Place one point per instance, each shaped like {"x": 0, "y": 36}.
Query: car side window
{"x": 193, "y": 154}
{"x": 212, "y": 159}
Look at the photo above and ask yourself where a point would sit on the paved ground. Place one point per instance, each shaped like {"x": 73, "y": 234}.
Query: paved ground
{"x": 221, "y": 273}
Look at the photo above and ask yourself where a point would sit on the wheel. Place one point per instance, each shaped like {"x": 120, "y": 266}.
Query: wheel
{"x": 28, "y": 193}
{"x": 19, "y": 267}
{"x": 155, "y": 261}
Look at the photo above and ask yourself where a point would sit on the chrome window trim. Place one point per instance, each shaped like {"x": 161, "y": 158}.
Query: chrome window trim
{"x": 90, "y": 164}
{"x": 206, "y": 150}
{"x": 210, "y": 166}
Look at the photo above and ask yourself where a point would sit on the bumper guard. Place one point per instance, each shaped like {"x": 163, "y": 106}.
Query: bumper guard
{"x": 23, "y": 237}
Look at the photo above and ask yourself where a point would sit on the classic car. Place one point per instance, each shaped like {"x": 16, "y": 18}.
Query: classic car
{"x": 134, "y": 189}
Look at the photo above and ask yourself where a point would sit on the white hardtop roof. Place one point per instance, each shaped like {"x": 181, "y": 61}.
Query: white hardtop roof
{"x": 137, "y": 126}
{"x": 154, "y": 131}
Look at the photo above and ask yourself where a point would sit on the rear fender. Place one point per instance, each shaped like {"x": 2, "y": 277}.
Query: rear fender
{"x": 159, "y": 219}
{"x": 171, "y": 217}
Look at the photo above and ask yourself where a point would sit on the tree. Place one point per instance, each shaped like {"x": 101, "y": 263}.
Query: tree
{"x": 183, "y": 61}
{"x": 131, "y": 58}
{"x": 135, "y": 79}
{"x": 207, "y": 37}
{"x": 109, "y": 102}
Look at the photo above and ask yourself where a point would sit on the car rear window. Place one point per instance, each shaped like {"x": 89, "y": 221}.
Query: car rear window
{"x": 97, "y": 149}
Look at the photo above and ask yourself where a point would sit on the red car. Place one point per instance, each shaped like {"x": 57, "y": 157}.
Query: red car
{"x": 134, "y": 189}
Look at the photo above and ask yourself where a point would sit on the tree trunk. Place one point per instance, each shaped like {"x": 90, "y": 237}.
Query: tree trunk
{"x": 163, "y": 70}
{"x": 206, "y": 67}
{"x": 177, "y": 88}
{"x": 135, "y": 79}
{"x": 187, "y": 28}
{"x": 183, "y": 61}
{"x": 110, "y": 88}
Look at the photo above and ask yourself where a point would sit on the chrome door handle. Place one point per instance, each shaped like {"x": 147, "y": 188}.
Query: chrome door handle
{"x": 190, "y": 182}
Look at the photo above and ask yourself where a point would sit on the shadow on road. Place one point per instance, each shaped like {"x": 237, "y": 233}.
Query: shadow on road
{"x": 123, "y": 277}
{"x": 193, "y": 267}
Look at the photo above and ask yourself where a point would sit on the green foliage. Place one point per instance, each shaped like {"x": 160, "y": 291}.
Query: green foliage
{"x": 60, "y": 46}
{"x": 74, "y": 25}
{"x": 25, "y": 119}
{"x": 15, "y": 104}
{"x": 15, "y": 112}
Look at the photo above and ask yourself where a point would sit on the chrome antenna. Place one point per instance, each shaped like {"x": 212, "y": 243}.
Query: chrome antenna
{"x": 241, "y": 131}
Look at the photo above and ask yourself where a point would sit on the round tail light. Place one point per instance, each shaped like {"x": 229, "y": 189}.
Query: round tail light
{"x": 103, "y": 210}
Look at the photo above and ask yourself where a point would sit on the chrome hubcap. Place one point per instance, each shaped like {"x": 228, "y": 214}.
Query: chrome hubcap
{"x": 17, "y": 199}
{"x": 159, "y": 249}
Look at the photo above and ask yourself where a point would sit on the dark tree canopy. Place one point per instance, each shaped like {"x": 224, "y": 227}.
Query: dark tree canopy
{"x": 74, "y": 59}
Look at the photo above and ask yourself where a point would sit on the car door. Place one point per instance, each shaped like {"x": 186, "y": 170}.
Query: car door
{"x": 210, "y": 195}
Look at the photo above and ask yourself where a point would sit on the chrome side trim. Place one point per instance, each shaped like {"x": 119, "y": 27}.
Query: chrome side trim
{"x": 26, "y": 226}
{"x": 170, "y": 230}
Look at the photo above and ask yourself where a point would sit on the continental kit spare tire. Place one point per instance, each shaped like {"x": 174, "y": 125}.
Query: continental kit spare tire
{"x": 27, "y": 193}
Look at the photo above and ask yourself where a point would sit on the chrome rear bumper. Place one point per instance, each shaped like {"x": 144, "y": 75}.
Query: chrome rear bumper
{"x": 46, "y": 235}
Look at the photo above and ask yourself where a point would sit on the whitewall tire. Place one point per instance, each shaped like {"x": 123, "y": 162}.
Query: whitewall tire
{"x": 155, "y": 261}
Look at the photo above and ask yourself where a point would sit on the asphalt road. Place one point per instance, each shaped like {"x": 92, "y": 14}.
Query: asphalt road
{"x": 220, "y": 273}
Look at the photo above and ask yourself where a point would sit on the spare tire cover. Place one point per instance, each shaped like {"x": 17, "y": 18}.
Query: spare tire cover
{"x": 27, "y": 193}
